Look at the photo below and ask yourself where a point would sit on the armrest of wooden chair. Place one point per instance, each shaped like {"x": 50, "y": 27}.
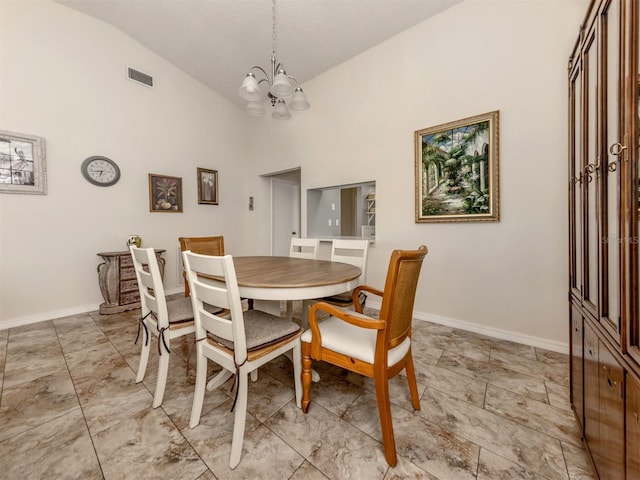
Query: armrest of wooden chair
{"x": 360, "y": 289}
{"x": 354, "y": 318}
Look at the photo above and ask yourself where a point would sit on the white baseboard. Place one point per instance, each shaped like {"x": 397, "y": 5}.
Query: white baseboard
{"x": 428, "y": 317}
{"x": 41, "y": 317}
{"x": 488, "y": 331}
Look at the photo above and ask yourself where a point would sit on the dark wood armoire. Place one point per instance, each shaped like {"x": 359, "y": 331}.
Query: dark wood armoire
{"x": 603, "y": 236}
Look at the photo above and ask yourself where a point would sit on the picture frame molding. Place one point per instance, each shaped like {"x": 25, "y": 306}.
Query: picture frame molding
{"x": 201, "y": 187}
{"x": 493, "y": 202}
{"x": 38, "y": 154}
{"x": 154, "y": 199}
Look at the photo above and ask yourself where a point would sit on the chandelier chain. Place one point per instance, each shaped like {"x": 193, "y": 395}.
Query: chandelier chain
{"x": 273, "y": 38}
{"x": 282, "y": 90}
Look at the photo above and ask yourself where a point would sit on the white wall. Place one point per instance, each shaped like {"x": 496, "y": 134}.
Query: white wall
{"x": 506, "y": 279}
{"x": 63, "y": 77}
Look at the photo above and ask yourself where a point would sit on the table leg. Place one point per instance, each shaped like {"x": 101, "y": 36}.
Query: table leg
{"x": 219, "y": 379}
{"x": 290, "y": 310}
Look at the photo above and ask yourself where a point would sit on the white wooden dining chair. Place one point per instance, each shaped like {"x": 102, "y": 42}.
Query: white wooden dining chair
{"x": 239, "y": 344}
{"x": 353, "y": 252}
{"x": 304, "y": 248}
{"x": 308, "y": 248}
{"x": 165, "y": 319}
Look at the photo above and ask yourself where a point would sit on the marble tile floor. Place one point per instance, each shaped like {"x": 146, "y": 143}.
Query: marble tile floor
{"x": 70, "y": 408}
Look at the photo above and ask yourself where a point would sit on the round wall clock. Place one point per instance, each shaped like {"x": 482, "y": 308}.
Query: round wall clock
{"x": 101, "y": 171}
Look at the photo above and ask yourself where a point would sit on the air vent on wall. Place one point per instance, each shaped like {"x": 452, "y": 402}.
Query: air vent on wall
{"x": 140, "y": 77}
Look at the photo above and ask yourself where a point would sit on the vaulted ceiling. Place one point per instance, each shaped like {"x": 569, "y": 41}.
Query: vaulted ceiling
{"x": 217, "y": 41}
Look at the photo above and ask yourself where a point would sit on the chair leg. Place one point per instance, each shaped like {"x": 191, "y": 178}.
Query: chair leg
{"x": 254, "y": 375}
{"x": 161, "y": 382}
{"x": 297, "y": 373}
{"x": 411, "y": 379}
{"x": 201, "y": 381}
{"x": 306, "y": 375}
{"x": 144, "y": 358}
{"x": 240, "y": 418}
{"x": 384, "y": 411}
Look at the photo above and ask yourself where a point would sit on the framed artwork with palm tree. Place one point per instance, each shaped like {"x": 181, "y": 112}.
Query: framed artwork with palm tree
{"x": 207, "y": 186}
{"x": 22, "y": 163}
{"x": 456, "y": 170}
{"x": 165, "y": 193}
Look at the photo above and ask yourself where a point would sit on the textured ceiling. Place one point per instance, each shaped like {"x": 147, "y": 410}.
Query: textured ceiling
{"x": 217, "y": 41}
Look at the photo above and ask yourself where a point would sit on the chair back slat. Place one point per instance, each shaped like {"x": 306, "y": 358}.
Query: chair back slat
{"x": 353, "y": 252}
{"x": 145, "y": 279}
{"x": 219, "y": 326}
{"x": 223, "y": 292}
{"x": 152, "y": 297}
{"x": 399, "y": 293}
{"x": 304, "y": 248}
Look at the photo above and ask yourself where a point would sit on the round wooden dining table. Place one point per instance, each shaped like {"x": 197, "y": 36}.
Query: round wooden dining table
{"x": 288, "y": 278}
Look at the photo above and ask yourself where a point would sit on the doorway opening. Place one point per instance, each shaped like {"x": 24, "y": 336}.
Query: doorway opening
{"x": 285, "y": 209}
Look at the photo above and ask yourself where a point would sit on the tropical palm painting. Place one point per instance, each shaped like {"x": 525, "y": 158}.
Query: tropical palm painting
{"x": 457, "y": 170}
{"x": 165, "y": 193}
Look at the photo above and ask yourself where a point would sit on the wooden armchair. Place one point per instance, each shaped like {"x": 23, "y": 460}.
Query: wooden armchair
{"x": 203, "y": 246}
{"x": 377, "y": 348}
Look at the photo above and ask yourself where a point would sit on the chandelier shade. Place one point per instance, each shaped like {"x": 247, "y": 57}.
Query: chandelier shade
{"x": 299, "y": 101}
{"x": 281, "y": 85}
{"x": 250, "y": 90}
{"x": 255, "y": 109}
{"x": 281, "y": 111}
{"x": 283, "y": 91}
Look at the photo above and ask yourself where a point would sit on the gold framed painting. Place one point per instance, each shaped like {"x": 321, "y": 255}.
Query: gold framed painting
{"x": 456, "y": 171}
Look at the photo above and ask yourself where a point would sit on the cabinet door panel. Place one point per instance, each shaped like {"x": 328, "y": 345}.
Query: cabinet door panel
{"x": 610, "y": 457}
{"x": 591, "y": 413}
{"x": 576, "y": 364}
{"x": 591, "y": 175}
{"x": 610, "y": 29}
{"x": 633, "y": 428}
{"x": 576, "y": 181}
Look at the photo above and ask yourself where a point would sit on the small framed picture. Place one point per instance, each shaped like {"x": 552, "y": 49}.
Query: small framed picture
{"x": 22, "y": 163}
{"x": 165, "y": 193}
{"x": 207, "y": 186}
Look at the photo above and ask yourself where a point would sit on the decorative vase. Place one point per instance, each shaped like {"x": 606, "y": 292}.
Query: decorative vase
{"x": 134, "y": 240}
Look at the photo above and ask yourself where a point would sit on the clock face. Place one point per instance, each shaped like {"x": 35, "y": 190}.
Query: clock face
{"x": 100, "y": 171}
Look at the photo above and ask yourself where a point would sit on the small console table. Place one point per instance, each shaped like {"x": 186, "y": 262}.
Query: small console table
{"x": 118, "y": 284}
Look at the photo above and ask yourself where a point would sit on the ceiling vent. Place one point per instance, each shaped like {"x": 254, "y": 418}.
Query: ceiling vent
{"x": 140, "y": 77}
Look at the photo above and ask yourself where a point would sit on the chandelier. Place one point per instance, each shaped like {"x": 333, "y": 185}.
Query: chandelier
{"x": 279, "y": 89}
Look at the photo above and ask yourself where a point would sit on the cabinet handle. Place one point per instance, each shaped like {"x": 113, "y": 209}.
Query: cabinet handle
{"x": 617, "y": 149}
{"x": 612, "y": 167}
{"x": 591, "y": 168}
{"x": 575, "y": 180}
{"x": 611, "y": 383}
